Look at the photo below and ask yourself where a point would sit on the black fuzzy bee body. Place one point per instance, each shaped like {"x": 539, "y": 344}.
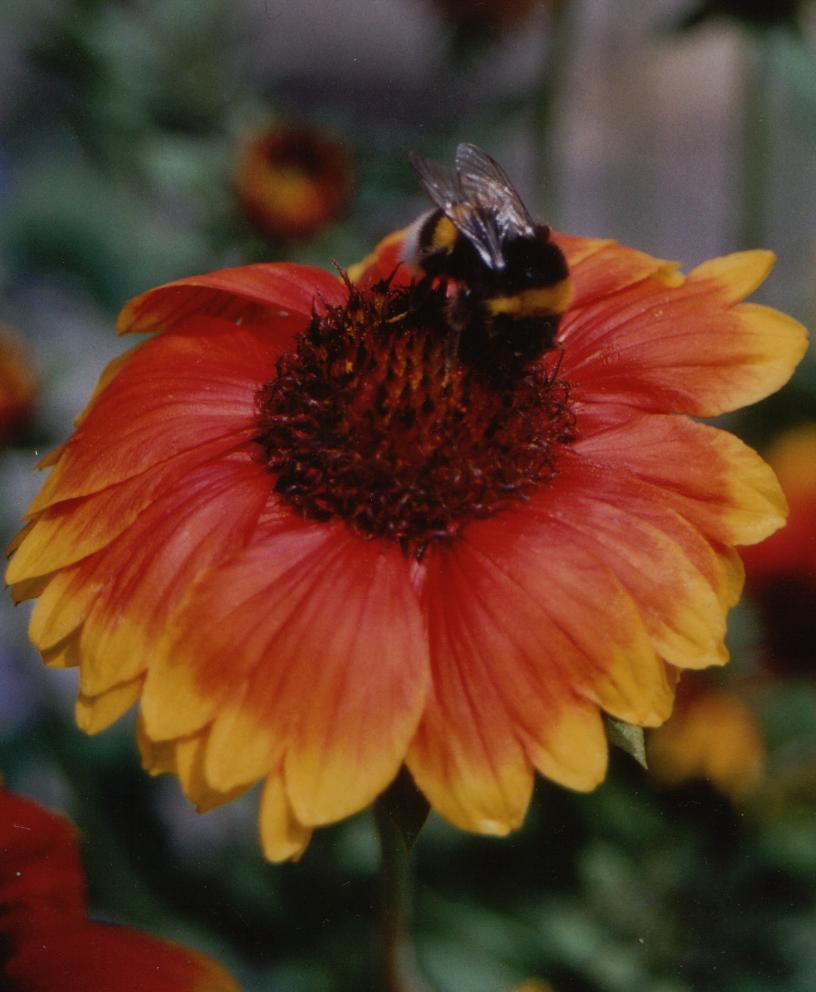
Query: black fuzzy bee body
{"x": 511, "y": 280}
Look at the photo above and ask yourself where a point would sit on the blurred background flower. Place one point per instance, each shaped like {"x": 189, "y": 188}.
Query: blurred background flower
{"x": 781, "y": 574}
{"x": 120, "y": 125}
{"x": 18, "y": 384}
{"x": 292, "y": 181}
{"x": 712, "y": 735}
{"x": 47, "y": 943}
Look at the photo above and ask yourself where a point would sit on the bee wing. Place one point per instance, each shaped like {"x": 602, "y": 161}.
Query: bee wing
{"x": 484, "y": 182}
{"x": 474, "y": 218}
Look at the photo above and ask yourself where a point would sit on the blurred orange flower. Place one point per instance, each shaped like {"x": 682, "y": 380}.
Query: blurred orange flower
{"x": 781, "y": 574}
{"x": 17, "y": 384}
{"x": 292, "y": 180}
{"x": 47, "y": 943}
{"x": 316, "y": 549}
{"x": 714, "y": 735}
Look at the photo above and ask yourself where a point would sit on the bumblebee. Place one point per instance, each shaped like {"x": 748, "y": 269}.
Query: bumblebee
{"x": 511, "y": 282}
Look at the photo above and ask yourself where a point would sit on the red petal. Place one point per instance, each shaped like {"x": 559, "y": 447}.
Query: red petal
{"x": 146, "y": 573}
{"x": 573, "y": 608}
{"x": 681, "y": 585}
{"x": 246, "y": 294}
{"x": 688, "y": 348}
{"x": 599, "y": 269}
{"x": 123, "y": 595}
{"x": 310, "y": 642}
{"x": 73, "y": 529}
{"x": 531, "y": 631}
{"x": 708, "y": 476}
{"x": 41, "y": 880}
{"x": 100, "y": 957}
{"x": 177, "y": 392}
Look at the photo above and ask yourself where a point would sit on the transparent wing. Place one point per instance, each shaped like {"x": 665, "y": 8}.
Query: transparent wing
{"x": 485, "y": 183}
{"x": 474, "y": 218}
{"x": 440, "y": 182}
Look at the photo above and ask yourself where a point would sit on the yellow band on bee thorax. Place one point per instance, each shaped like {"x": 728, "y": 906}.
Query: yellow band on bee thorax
{"x": 544, "y": 299}
{"x": 444, "y": 234}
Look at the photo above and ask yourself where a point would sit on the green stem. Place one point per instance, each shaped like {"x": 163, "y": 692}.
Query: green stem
{"x": 398, "y": 960}
{"x": 756, "y": 141}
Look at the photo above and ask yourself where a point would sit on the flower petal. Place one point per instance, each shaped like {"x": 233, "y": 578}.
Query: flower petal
{"x": 599, "y": 268}
{"x": 183, "y": 757}
{"x": 569, "y": 610}
{"x": 108, "y": 958}
{"x": 115, "y": 604}
{"x": 71, "y": 530}
{"x": 245, "y": 294}
{"x": 178, "y": 392}
{"x": 710, "y": 477}
{"x": 680, "y": 583}
{"x": 385, "y": 261}
{"x": 147, "y": 571}
{"x": 63, "y": 606}
{"x": 331, "y": 666}
{"x": 96, "y": 713}
{"x": 41, "y": 879}
{"x": 49, "y": 945}
{"x": 530, "y": 634}
{"x": 466, "y": 757}
{"x": 283, "y": 837}
{"x": 686, "y": 348}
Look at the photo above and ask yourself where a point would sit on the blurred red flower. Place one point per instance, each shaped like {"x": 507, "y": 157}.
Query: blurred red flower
{"x": 292, "y": 180}
{"x": 47, "y": 943}
{"x": 18, "y": 384}
{"x": 316, "y": 549}
{"x": 781, "y": 573}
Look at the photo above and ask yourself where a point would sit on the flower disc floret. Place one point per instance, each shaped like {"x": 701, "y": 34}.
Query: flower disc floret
{"x": 369, "y": 420}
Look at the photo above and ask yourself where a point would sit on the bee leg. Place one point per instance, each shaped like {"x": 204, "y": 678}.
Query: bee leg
{"x": 459, "y": 312}
{"x": 452, "y": 347}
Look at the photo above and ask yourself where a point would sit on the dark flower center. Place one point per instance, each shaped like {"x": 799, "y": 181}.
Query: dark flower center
{"x": 372, "y": 421}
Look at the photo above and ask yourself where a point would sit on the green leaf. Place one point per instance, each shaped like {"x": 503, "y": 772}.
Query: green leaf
{"x": 627, "y": 737}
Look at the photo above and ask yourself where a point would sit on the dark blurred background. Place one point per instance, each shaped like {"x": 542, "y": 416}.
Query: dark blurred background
{"x": 143, "y": 140}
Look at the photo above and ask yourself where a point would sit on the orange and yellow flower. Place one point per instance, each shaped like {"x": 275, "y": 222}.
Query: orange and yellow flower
{"x": 316, "y": 548}
{"x": 292, "y": 180}
{"x": 47, "y": 943}
{"x": 712, "y": 735}
{"x": 781, "y": 573}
